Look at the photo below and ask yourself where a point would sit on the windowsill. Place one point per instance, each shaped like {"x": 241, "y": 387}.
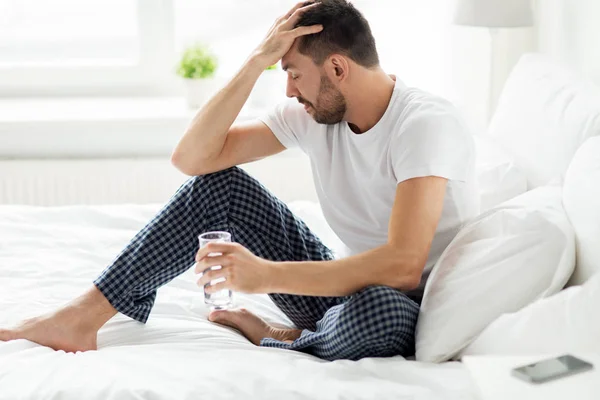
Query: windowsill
{"x": 87, "y": 127}
{"x": 67, "y": 109}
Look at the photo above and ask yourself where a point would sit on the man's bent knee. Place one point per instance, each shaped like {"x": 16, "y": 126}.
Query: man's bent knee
{"x": 383, "y": 315}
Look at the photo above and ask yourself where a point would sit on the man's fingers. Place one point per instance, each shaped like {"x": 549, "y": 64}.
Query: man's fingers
{"x": 306, "y": 30}
{"x": 216, "y": 287}
{"x": 209, "y": 262}
{"x": 295, "y": 8}
{"x": 211, "y": 275}
{"x": 215, "y": 247}
{"x": 295, "y": 16}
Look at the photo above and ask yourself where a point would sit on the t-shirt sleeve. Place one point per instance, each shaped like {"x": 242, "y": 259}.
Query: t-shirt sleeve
{"x": 436, "y": 144}
{"x": 288, "y": 124}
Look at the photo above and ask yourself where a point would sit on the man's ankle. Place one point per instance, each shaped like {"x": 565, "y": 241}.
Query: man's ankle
{"x": 285, "y": 335}
{"x": 93, "y": 308}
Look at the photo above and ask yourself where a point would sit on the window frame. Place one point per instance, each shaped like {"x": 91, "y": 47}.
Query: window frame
{"x": 151, "y": 75}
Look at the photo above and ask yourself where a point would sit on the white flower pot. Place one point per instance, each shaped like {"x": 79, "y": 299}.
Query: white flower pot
{"x": 199, "y": 91}
{"x": 268, "y": 91}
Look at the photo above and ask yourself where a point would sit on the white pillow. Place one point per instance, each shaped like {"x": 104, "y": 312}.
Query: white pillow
{"x": 545, "y": 112}
{"x": 581, "y": 199}
{"x": 566, "y": 322}
{"x": 501, "y": 261}
{"x": 498, "y": 178}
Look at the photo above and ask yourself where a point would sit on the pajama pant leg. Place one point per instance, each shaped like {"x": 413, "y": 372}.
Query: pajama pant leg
{"x": 228, "y": 200}
{"x": 376, "y": 321}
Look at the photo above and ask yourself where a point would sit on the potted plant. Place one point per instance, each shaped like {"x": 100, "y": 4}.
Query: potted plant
{"x": 197, "y": 67}
{"x": 269, "y": 88}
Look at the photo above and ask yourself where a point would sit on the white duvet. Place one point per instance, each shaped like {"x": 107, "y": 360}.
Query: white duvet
{"x": 50, "y": 255}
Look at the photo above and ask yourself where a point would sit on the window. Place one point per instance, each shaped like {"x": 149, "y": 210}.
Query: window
{"x": 114, "y": 47}
{"x": 83, "y": 46}
{"x": 232, "y": 28}
{"x": 68, "y": 32}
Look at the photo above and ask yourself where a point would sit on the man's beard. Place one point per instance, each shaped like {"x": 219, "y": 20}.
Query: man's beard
{"x": 331, "y": 104}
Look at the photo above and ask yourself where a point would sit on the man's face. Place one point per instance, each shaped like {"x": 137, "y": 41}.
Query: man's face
{"x": 311, "y": 86}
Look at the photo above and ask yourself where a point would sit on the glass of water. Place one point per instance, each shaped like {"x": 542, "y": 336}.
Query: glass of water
{"x": 221, "y": 299}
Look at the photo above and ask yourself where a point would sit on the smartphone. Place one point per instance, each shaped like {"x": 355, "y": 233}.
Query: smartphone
{"x": 550, "y": 369}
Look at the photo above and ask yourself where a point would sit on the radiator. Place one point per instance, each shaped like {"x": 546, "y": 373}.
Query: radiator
{"x": 139, "y": 181}
{"x": 64, "y": 182}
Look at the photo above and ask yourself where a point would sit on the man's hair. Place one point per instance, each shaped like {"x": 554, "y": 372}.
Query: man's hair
{"x": 345, "y": 31}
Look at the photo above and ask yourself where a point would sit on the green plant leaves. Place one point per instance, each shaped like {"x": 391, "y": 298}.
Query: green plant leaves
{"x": 197, "y": 62}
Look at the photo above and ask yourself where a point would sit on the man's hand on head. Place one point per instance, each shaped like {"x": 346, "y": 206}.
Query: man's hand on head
{"x": 282, "y": 35}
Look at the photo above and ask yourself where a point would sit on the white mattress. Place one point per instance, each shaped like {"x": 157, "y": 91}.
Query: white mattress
{"x": 50, "y": 255}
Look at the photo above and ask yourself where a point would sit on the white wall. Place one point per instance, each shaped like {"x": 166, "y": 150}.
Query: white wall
{"x": 481, "y": 63}
{"x": 569, "y": 31}
{"x": 566, "y": 30}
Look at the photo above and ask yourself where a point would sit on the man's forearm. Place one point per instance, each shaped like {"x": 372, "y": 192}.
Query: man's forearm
{"x": 381, "y": 266}
{"x": 207, "y": 132}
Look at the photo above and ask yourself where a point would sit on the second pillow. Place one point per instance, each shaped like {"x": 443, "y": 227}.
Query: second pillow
{"x": 501, "y": 261}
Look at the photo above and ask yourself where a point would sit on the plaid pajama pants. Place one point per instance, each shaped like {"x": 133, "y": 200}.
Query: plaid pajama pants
{"x": 377, "y": 321}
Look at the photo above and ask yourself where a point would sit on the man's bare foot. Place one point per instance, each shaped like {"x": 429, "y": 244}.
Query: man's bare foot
{"x": 72, "y": 328}
{"x": 252, "y": 326}
{"x": 54, "y": 330}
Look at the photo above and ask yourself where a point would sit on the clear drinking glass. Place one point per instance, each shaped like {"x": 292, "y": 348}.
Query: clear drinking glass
{"x": 222, "y": 299}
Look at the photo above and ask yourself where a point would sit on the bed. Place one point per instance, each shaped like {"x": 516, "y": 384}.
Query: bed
{"x": 50, "y": 255}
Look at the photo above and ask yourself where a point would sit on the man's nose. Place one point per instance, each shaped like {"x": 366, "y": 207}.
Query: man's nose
{"x": 291, "y": 90}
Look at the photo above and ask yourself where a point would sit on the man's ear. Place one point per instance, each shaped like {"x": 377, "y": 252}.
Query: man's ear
{"x": 339, "y": 67}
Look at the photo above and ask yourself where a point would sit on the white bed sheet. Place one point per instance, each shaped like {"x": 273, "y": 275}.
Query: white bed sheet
{"x": 50, "y": 255}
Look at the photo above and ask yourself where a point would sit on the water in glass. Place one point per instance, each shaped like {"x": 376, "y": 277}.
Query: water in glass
{"x": 222, "y": 299}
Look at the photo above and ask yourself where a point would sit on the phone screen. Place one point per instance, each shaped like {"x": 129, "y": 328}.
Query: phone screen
{"x": 553, "y": 368}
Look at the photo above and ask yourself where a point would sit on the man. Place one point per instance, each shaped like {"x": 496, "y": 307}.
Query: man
{"x": 393, "y": 168}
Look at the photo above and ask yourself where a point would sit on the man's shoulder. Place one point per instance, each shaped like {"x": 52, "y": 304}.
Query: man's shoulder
{"x": 415, "y": 103}
{"x": 425, "y": 117}
{"x": 292, "y": 113}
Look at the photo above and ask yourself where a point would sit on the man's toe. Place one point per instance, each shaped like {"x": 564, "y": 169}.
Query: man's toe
{"x": 222, "y": 317}
{"x": 6, "y": 335}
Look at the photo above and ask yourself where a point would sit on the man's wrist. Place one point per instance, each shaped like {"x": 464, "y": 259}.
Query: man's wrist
{"x": 256, "y": 62}
{"x": 275, "y": 277}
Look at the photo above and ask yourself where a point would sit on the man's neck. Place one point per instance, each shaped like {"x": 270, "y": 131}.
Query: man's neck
{"x": 369, "y": 99}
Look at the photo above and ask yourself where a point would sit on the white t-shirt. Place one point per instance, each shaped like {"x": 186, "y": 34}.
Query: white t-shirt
{"x": 356, "y": 175}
